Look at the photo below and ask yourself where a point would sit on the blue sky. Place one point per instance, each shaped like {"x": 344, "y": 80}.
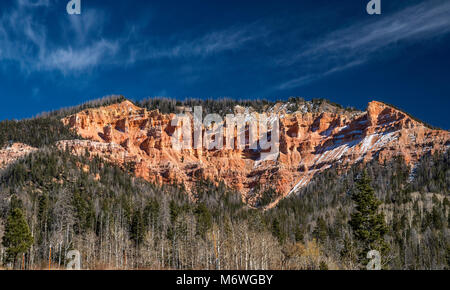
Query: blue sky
{"x": 217, "y": 48}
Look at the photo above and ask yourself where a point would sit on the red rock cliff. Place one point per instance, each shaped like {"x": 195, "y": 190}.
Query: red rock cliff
{"x": 13, "y": 152}
{"x": 310, "y": 142}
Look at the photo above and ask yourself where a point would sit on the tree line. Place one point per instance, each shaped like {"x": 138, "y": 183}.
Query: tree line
{"x": 117, "y": 221}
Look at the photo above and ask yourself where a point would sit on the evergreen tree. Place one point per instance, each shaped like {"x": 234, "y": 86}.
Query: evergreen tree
{"x": 17, "y": 238}
{"x": 137, "y": 230}
{"x": 323, "y": 266}
{"x": 278, "y": 232}
{"x": 299, "y": 236}
{"x": 204, "y": 219}
{"x": 320, "y": 232}
{"x": 367, "y": 223}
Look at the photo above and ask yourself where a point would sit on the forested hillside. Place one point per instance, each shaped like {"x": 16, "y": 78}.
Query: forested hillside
{"x": 46, "y": 128}
{"x": 52, "y": 202}
{"x": 416, "y": 209}
{"x": 117, "y": 221}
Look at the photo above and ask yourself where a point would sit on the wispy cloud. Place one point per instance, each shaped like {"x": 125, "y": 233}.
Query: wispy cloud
{"x": 24, "y": 40}
{"x": 212, "y": 43}
{"x": 31, "y": 3}
{"x": 80, "y": 45}
{"x": 69, "y": 60}
{"x": 86, "y": 25}
{"x": 359, "y": 43}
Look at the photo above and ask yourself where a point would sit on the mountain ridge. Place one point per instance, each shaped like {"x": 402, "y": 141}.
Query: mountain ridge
{"x": 310, "y": 142}
{"x": 314, "y": 136}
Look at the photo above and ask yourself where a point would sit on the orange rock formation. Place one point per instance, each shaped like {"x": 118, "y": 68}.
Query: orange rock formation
{"x": 15, "y": 151}
{"x": 310, "y": 142}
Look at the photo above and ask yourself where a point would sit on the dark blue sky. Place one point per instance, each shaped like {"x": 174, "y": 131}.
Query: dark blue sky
{"x": 217, "y": 48}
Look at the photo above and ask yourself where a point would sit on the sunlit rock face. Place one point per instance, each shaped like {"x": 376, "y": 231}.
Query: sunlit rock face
{"x": 9, "y": 154}
{"x": 310, "y": 142}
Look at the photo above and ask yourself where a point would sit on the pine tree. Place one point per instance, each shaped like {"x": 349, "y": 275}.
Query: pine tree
{"x": 320, "y": 232}
{"x": 204, "y": 219}
{"x": 278, "y": 232}
{"x": 367, "y": 223}
{"x": 17, "y": 238}
{"x": 299, "y": 236}
{"x": 137, "y": 230}
{"x": 323, "y": 266}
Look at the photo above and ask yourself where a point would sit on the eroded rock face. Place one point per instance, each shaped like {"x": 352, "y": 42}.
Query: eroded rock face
{"x": 310, "y": 142}
{"x": 13, "y": 152}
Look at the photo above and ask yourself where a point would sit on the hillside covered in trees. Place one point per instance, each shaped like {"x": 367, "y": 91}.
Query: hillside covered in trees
{"x": 52, "y": 202}
{"x": 118, "y": 221}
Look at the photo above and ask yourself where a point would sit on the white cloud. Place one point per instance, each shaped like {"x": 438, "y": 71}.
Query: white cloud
{"x": 24, "y": 40}
{"x": 72, "y": 60}
{"x": 31, "y": 3}
{"x": 79, "y": 45}
{"x": 357, "y": 44}
{"x": 89, "y": 24}
{"x": 212, "y": 43}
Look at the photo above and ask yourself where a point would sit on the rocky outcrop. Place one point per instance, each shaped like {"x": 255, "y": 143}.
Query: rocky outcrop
{"x": 13, "y": 152}
{"x": 310, "y": 142}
